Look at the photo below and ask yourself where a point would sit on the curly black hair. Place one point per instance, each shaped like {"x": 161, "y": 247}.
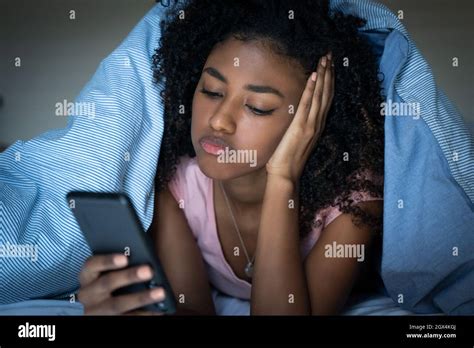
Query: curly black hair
{"x": 351, "y": 144}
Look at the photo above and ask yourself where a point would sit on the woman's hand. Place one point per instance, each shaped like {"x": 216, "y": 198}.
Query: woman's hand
{"x": 96, "y": 288}
{"x": 291, "y": 154}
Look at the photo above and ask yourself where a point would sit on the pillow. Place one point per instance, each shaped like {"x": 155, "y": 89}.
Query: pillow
{"x": 428, "y": 244}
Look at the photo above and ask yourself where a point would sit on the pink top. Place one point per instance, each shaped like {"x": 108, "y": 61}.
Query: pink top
{"x": 194, "y": 190}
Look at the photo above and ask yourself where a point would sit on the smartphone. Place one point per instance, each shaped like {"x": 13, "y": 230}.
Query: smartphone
{"x": 110, "y": 225}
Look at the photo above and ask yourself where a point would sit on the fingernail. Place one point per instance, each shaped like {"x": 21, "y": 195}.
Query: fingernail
{"x": 323, "y": 61}
{"x": 120, "y": 260}
{"x": 144, "y": 273}
{"x": 313, "y": 76}
{"x": 158, "y": 294}
{"x": 330, "y": 55}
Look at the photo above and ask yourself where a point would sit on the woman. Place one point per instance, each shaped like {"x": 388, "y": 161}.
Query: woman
{"x": 269, "y": 177}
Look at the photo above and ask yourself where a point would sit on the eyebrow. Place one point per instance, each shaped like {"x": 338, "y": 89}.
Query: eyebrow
{"x": 253, "y": 88}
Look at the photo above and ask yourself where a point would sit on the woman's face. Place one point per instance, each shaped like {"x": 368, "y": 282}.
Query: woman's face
{"x": 230, "y": 137}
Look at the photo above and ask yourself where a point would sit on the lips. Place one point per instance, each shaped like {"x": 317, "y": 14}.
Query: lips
{"x": 213, "y": 145}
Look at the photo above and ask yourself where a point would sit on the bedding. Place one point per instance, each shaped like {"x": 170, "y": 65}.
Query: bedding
{"x": 370, "y": 304}
{"x": 428, "y": 255}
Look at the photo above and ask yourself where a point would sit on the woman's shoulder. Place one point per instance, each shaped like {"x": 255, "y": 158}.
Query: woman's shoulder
{"x": 324, "y": 216}
{"x": 328, "y": 214}
{"x": 187, "y": 178}
{"x": 184, "y": 167}
{"x": 186, "y": 161}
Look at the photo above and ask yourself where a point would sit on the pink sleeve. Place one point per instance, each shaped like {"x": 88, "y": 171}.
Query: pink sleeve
{"x": 325, "y": 216}
{"x": 329, "y": 214}
{"x": 333, "y": 212}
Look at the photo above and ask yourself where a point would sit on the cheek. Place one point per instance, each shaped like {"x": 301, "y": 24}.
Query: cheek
{"x": 263, "y": 137}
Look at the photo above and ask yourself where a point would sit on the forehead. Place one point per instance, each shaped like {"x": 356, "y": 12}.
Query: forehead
{"x": 254, "y": 62}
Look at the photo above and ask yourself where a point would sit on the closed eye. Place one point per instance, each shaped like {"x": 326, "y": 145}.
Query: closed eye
{"x": 256, "y": 111}
{"x": 210, "y": 94}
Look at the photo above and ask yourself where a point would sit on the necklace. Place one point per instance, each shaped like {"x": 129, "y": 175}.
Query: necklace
{"x": 249, "y": 267}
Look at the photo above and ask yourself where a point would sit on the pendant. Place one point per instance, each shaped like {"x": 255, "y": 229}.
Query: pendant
{"x": 249, "y": 269}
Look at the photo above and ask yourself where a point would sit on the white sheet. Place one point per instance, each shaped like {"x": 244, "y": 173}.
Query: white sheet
{"x": 371, "y": 304}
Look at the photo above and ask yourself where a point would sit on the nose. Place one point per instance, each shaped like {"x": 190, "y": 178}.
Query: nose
{"x": 222, "y": 120}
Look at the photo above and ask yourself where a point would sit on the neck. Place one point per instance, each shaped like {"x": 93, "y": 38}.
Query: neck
{"x": 246, "y": 191}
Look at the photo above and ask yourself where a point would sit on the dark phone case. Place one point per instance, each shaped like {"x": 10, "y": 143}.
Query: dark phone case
{"x": 110, "y": 225}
